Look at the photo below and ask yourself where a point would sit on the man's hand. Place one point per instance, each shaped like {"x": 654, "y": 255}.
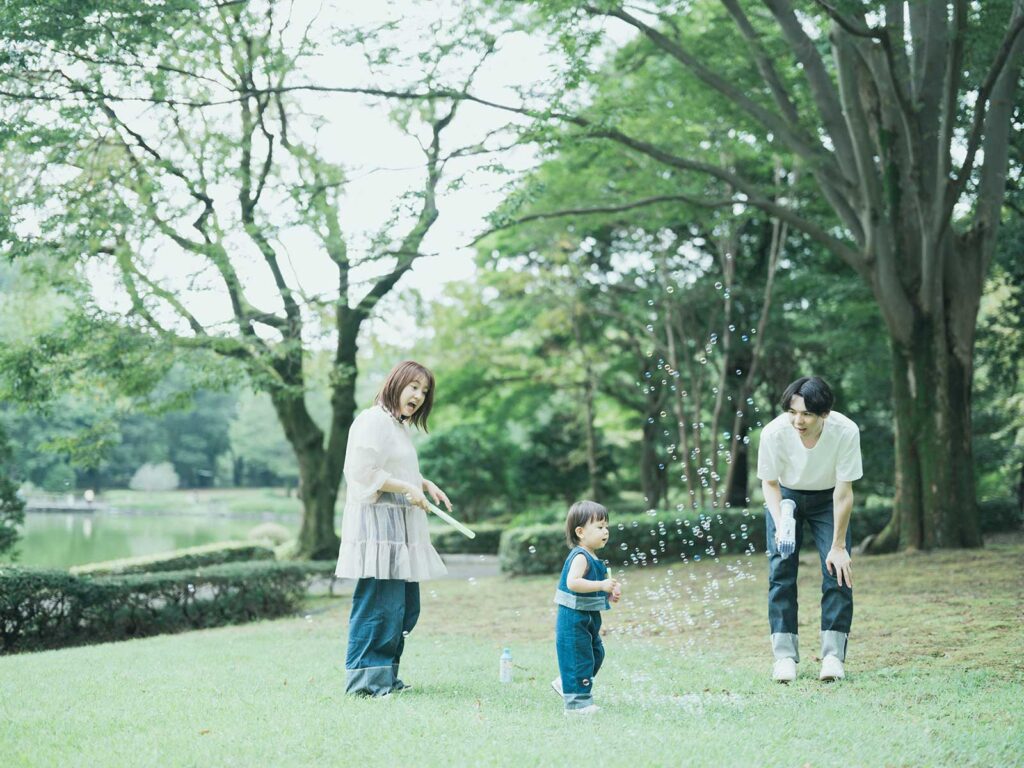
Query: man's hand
{"x": 436, "y": 494}
{"x": 839, "y": 565}
{"x": 785, "y": 534}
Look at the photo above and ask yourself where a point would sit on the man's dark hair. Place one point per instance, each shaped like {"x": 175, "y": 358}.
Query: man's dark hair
{"x": 814, "y": 390}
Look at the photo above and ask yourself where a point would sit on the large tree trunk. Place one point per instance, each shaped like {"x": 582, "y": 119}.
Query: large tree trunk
{"x": 935, "y": 503}
{"x": 317, "y": 539}
{"x": 653, "y": 478}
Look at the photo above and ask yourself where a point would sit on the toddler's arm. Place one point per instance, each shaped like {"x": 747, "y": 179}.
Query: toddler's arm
{"x": 576, "y": 582}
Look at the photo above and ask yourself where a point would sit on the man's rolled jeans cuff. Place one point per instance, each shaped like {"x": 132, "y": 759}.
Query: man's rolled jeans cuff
{"x": 786, "y": 645}
{"x": 833, "y": 644}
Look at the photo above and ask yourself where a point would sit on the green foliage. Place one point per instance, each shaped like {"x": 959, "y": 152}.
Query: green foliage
{"x": 449, "y": 541}
{"x": 470, "y": 461}
{"x": 638, "y": 541}
{"x": 183, "y": 559}
{"x": 12, "y": 506}
{"x": 42, "y": 609}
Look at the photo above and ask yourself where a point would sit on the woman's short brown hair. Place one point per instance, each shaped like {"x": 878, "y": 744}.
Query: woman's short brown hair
{"x": 581, "y": 513}
{"x": 390, "y": 393}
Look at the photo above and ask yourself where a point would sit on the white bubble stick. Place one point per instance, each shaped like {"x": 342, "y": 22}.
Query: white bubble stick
{"x": 451, "y": 521}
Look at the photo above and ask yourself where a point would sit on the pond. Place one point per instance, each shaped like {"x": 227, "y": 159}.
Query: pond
{"x": 61, "y": 539}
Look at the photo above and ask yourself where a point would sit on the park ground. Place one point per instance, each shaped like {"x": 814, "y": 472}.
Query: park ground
{"x": 934, "y": 679}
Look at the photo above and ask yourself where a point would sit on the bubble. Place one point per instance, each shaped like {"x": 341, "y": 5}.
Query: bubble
{"x": 718, "y": 286}
{"x": 308, "y": 618}
{"x": 532, "y": 550}
{"x": 623, "y": 546}
{"x": 585, "y": 681}
{"x": 191, "y": 589}
{"x": 472, "y": 581}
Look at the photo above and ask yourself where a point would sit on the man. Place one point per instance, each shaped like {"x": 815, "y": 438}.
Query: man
{"x": 810, "y": 455}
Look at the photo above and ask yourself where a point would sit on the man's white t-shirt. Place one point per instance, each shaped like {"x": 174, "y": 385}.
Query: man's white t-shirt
{"x": 835, "y": 458}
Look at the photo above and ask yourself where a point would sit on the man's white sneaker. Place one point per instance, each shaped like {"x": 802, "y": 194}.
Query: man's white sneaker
{"x": 590, "y": 709}
{"x": 784, "y": 671}
{"x": 557, "y": 685}
{"x": 831, "y": 669}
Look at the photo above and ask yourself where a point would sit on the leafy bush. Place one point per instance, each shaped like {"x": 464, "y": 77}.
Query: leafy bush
{"x": 471, "y": 465}
{"x": 450, "y": 541}
{"x": 42, "y": 609}
{"x": 179, "y": 560}
{"x": 643, "y": 540}
{"x": 154, "y": 477}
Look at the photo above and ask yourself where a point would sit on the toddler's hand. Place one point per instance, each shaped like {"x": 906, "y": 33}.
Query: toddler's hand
{"x": 616, "y": 593}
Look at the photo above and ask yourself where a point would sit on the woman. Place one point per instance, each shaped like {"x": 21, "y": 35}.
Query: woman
{"x": 385, "y": 542}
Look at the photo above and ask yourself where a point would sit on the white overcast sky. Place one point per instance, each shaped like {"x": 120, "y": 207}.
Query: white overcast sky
{"x": 382, "y": 164}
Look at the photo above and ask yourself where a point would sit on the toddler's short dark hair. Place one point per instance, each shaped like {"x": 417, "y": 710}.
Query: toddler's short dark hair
{"x": 581, "y": 513}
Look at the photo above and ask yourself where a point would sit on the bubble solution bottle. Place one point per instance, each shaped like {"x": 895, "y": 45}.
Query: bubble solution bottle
{"x": 505, "y": 666}
{"x": 787, "y": 528}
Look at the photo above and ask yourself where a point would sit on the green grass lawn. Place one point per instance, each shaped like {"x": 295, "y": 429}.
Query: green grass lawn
{"x": 935, "y": 672}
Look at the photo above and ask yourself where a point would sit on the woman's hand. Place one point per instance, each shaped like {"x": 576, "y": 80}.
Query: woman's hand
{"x": 416, "y": 498}
{"x": 439, "y": 496}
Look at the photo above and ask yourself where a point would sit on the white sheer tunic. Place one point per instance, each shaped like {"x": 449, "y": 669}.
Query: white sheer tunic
{"x": 382, "y": 535}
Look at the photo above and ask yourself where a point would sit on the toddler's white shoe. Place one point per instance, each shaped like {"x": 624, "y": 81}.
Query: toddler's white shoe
{"x": 557, "y": 685}
{"x": 784, "y": 671}
{"x": 831, "y": 669}
{"x": 591, "y": 709}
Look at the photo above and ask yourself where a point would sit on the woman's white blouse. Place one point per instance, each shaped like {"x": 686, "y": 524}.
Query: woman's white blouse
{"x": 382, "y": 535}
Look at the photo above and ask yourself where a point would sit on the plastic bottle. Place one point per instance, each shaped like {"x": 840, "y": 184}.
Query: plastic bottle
{"x": 505, "y": 666}
{"x": 787, "y": 529}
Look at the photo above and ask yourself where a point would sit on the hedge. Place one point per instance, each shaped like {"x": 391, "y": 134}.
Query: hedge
{"x": 638, "y": 540}
{"x": 449, "y": 541}
{"x": 42, "y": 609}
{"x": 648, "y": 539}
{"x": 180, "y": 559}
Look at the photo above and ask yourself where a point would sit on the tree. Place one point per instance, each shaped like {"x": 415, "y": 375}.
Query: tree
{"x": 223, "y": 163}
{"x": 12, "y": 507}
{"x": 899, "y": 116}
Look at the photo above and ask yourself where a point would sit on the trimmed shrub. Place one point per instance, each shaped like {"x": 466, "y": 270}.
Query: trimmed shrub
{"x": 647, "y": 539}
{"x": 179, "y": 560}
{"x": 1000, "y": 515}
{"x": 641, "y": 540}
{"x": 449, "y": 541}
{"x": 42, "y": 609}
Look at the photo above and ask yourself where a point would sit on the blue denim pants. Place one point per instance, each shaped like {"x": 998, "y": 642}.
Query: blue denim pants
{"x": 384, "y": 611}
{"x": 816, "y": 509}
{"x": 580, "y": 654}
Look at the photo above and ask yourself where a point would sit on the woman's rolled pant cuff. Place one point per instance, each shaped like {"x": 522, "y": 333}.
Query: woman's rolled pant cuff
{"x": 370, "y": 681}
{"x": 786, "y": 645}
{"x": 833, "y": 644}
{"x": 577, "y": 700}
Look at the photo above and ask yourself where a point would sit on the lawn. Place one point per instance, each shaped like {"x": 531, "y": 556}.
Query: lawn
{"x": 935, "y": 672}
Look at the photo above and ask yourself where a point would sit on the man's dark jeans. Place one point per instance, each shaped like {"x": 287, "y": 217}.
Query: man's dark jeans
{"x": 816, "y": 509}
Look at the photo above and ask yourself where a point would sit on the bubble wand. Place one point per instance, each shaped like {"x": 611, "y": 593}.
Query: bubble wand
{"x": 451, "y": 521}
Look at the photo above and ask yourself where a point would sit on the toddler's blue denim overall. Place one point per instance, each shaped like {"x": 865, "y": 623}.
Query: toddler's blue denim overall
{"x": 578, "y": 632}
